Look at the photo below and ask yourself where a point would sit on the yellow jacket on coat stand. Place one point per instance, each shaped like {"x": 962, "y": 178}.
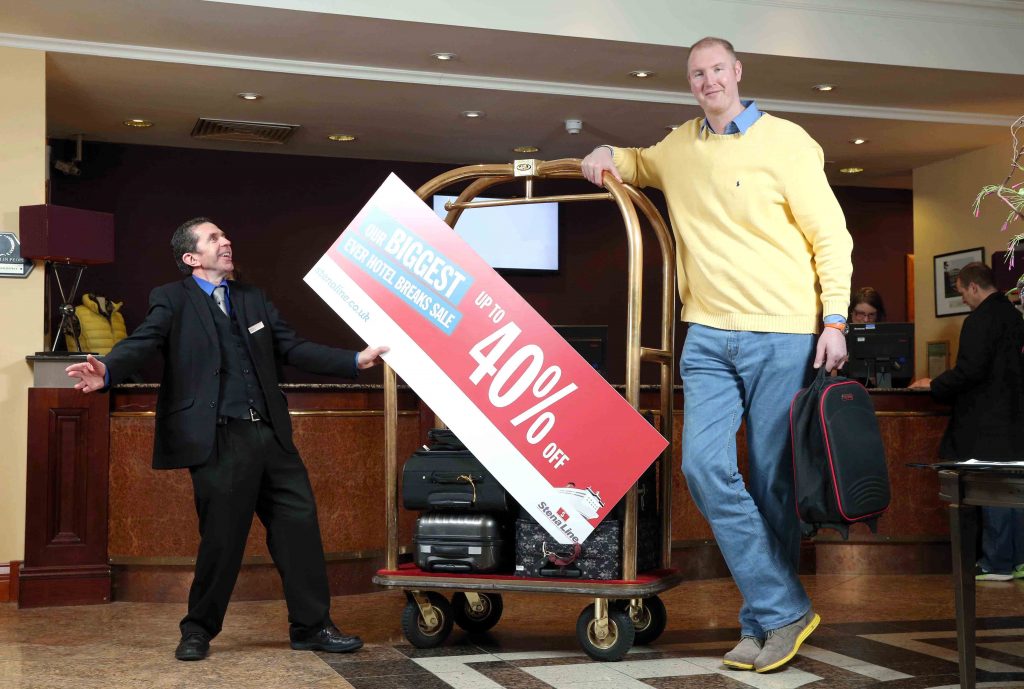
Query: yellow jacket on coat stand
{"x": 101, "y": 323}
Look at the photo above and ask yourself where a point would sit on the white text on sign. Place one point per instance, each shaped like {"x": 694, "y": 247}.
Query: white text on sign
{"x": 505, "y": 389}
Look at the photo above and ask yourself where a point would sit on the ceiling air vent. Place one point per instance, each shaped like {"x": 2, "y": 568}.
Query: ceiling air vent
{"x": 235, "y": 130}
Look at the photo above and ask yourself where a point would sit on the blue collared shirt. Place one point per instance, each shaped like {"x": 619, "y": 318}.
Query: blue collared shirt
{"x": 208, "y": 287}
{"x": 744, "y": 121}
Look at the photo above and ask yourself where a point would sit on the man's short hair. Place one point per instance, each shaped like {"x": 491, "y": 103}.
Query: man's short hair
{"x": 709, "y": 41}
{"x": 184, "y": 241}
{"x": 976, "y": 273}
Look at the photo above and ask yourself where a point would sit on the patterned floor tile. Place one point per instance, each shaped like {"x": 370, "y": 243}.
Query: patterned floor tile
{"x": 893, "y": 654}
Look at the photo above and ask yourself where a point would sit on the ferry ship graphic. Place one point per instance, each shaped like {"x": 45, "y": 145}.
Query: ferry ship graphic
{"x": 587, "y": 501}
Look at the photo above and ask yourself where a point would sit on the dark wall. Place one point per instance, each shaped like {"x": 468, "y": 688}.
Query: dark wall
{"x": 282, "y": 212}
{"x": 882, "y": 224}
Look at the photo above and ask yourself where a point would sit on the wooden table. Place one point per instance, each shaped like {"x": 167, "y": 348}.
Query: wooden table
{"x": 966, "y": 488}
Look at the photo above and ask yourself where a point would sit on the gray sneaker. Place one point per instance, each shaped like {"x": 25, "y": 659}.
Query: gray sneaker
{"x": 782, "y": 644}
{"x": 743, "y": 656}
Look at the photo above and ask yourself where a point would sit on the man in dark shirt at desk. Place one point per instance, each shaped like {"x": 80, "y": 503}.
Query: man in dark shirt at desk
{"x": 986, "y": 389}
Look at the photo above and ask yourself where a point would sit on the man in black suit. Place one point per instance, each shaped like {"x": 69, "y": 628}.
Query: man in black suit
{"x": 986, "y": 389}
{"x": 221, "y": 414}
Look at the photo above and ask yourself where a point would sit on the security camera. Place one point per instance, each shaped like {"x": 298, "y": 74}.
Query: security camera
{"x": 68, "y": 167}
{"x": 574, "y": 126}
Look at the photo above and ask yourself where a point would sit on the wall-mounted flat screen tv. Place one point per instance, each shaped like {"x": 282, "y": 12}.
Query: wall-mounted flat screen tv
{"x": 521, "y": 238}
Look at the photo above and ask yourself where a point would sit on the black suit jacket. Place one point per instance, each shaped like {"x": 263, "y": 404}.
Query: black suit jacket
{"x": 180, "y": 325}
{"x": 986, "y": 387}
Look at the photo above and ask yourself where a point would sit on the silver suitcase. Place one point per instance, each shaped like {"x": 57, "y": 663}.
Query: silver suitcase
{"x": 459, "y": 542}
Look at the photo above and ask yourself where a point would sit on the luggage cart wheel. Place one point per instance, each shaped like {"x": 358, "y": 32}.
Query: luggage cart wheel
{"x": 605, "y": 632}
{"x": 476, "y": 612}
{"x": 426, "y": 619}
{"x": 648, "y": 615}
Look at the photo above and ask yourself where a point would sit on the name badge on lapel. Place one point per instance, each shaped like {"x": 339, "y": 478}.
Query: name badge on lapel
{"x": 256, "y": 328}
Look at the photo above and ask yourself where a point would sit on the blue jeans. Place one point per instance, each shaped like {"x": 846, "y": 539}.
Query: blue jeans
{"x": 1002, "y": 539}
{"x": 730, "y": 376}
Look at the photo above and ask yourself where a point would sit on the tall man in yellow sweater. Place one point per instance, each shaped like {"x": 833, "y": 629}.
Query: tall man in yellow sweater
{"x": 763, "y": 256}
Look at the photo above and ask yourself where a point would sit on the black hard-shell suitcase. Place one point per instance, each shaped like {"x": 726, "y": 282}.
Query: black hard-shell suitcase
{"x": 839, "y": 468}
{"x": 459, "y": 542}
{"x": 451, "y": 480}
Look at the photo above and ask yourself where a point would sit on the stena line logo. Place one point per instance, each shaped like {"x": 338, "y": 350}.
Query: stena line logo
{"x": 558, "y": 520}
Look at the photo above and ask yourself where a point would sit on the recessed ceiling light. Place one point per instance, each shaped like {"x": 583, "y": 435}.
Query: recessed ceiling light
{"x": 525, "y": 149}
{"x": 858, "y": 142}
{"x": 444, "y": 57}
{"x": 641, "y": 74}
{"x": 249, "y": 95}
{"x": 672, "y": 127}
{"x": 472, "y": 114}
{"x": 141, "y": 124}
{"x": 823, "y": 87}
{"x": 341, "y": 137}
{"x": 851, "y": 170}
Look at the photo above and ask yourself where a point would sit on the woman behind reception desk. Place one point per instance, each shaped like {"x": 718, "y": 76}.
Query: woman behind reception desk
{"x": 866, "y": 306}
{"x": 881, "y": 354}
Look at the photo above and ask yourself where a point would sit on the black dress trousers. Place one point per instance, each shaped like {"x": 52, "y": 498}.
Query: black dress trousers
{"x": 251, "y": 473}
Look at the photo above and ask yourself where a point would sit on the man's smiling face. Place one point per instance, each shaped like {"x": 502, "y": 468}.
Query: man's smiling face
{"x": 714, "y": 76}
{"x": 213, "y": 255}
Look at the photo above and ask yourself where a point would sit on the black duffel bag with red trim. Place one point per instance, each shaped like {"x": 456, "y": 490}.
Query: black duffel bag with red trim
{"x": 839, "y": 469}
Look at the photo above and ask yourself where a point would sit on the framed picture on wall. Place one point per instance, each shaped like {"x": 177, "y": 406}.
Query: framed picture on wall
{"x": 947, "y": 267}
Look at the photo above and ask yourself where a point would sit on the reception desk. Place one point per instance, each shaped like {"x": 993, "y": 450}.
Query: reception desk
{"x": 339, "y": 429}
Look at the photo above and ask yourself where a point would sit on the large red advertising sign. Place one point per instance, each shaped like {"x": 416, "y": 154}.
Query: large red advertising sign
{"x": 561, "y": 440}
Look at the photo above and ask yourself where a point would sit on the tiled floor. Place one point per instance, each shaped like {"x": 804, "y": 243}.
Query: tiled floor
{"x": 877, "y": 631}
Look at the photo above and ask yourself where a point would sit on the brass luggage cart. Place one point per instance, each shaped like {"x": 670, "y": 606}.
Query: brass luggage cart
{"x": 626, "y": 611}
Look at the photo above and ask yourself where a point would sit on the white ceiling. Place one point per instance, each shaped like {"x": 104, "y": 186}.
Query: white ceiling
{"x": 922, "y": 80}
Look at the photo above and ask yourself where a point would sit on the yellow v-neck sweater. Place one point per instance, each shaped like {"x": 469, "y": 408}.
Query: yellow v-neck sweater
{"x": 761, "y": 242}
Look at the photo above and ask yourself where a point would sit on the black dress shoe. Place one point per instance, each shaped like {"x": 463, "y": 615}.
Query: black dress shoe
{"x": 328, "y": 638}
{"x": 192, "y": 646}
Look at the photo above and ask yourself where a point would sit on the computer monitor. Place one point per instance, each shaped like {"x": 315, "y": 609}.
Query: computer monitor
{"x": 881, "y": 353}
{"x": 591, "y": 341}
{"x": 513, "y": 239}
